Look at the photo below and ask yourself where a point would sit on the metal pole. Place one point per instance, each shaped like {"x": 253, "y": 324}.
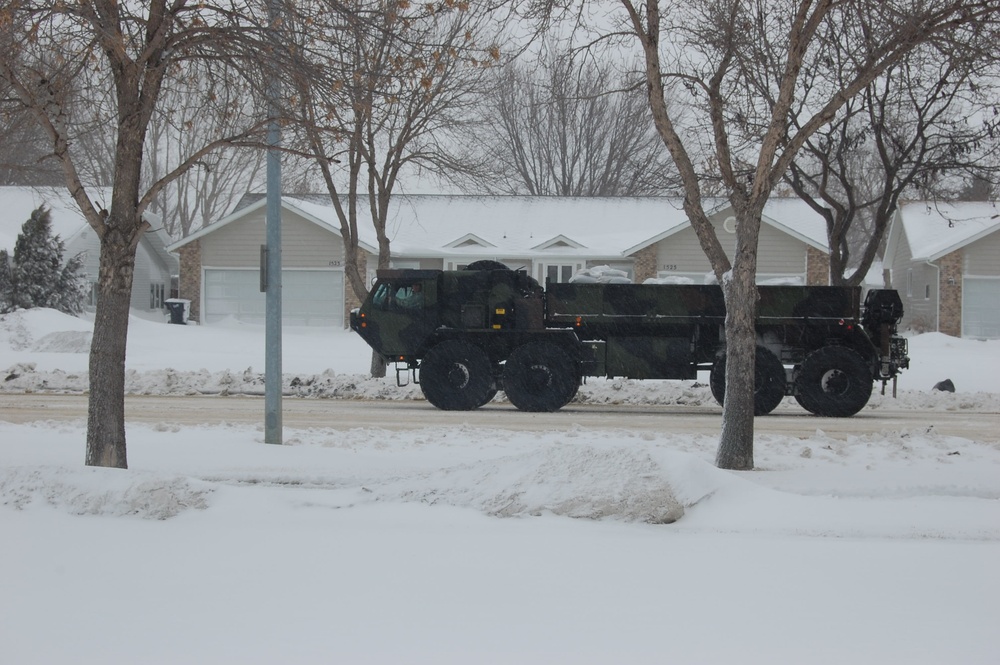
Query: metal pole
{"x": 272, "y": 306}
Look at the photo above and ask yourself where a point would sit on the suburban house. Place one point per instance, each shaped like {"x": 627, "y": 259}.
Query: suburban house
{"x": 550, "y": 237}
{"x": 944, "y": 259}
{"x": 154, "y": 265}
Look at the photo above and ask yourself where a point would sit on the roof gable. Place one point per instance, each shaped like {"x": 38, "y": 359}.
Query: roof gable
{"x": 559, "y": 242}
{"x": 469, "y": 240}
{"x": 934, "y": 230}
{"x": 791, "y": 216}
{"x": 323, "y": 216}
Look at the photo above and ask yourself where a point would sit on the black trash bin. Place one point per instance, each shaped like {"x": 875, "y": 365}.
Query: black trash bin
{"x": 178, "y": 310}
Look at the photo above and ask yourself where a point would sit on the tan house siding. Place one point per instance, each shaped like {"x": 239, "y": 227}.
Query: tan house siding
{"x": 236, "y": 245}
{"x": 917, "y": 286}
{"x": 303, "y": 244}
{"x": 912, "y": 280}
{"x": 433, "y": 264}
{"x": 190, "y": 278}
{"x": 951, "y": 265}
{"x": 817, "y": 267}
{"x": 681, "y": 253}
{"x": 982, "y": 258}
{"x": 777, "y": 253}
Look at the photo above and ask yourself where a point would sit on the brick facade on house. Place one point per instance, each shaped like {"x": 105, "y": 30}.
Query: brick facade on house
{"x": 950, "y": 293}
{"x": 190, "y": 279}
{"x": 817, "y": 267}
{"x": 645, "y": 264}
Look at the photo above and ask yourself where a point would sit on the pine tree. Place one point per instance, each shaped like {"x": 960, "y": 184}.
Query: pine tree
{"x": 37, "y": 276}
{"x": 5, "y": 282}
{"x": 73, "y": 287}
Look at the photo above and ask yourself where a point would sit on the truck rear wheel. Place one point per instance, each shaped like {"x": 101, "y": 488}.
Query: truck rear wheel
{"x": 540, "y": 376}
{"x": 769, "y": 381}
{"x": 834, "y": 381}
{"x": 456, "y": 376}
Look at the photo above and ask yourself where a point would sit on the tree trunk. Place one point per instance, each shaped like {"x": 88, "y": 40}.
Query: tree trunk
{"x": 106, "y": 406}
{"x": 739, "y": 289}
{"x": 378, "y": 365}
{"x": 736, "y": 445}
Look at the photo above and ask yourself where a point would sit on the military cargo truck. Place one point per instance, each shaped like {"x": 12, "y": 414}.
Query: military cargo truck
{"x": 464, "y": 335}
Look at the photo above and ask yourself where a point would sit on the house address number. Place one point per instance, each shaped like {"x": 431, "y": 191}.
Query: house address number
{"x": 336, "y": 264}
{"x": 668, "y": 266}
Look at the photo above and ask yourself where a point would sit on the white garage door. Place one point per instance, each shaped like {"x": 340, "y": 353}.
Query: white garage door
{"x": 308, "y": 297}
{"x": 981, "y": 307}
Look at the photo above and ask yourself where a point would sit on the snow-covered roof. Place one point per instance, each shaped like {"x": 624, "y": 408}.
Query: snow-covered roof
{"x": 67, "y": 220}
{"x": 323, "y": 216}
{"x": 18, "y": 203}
{"x": 527, "y": 226}
{"x": 522, "y": 226}
{"x": 934, "y": 229}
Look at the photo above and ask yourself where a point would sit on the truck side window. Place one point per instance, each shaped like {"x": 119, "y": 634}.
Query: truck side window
{"x": 381, "y": 297}
{"x": 410, "y": 297}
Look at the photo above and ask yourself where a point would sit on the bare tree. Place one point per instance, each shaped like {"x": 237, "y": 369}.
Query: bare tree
{"x": 201, "y": 107}
{"x": 566, "y": 124}
{"x": 741, "y": 63}
{"x": 399, "y": 82}
{"x": 927, "y": 121}
{"x": 23, "y": 147}
{"x": 207, "y": 191}
{"x": 132, "y": 51}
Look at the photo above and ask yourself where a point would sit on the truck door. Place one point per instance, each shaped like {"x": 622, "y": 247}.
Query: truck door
{"x": 399, "y": 315}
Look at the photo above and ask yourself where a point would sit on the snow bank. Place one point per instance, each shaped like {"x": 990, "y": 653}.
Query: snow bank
{"x": 44, "y": 350}
{"x": 97, "y": 491}
{"x": 575, "y": 481}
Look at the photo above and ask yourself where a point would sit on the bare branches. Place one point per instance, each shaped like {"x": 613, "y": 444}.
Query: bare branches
{"x": 567, "y": 126}
{"x": 920, "y": 128}
{"x": 748, "y": 68}
{"x": 123, "y": 56}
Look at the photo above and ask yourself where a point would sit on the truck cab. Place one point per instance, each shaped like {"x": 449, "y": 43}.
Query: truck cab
{"x": 400, "y": 312}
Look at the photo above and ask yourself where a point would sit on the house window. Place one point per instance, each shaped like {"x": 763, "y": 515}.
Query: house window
{"x": 909, "y": 283}
{"x": 559, "y": 272}
{"x": 92, "y": 296}
{"x": 927, "y": 292}
{"x": 156, "y": 292}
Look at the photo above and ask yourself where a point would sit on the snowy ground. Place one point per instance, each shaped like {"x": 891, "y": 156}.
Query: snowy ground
{"x": 458, "y": 544}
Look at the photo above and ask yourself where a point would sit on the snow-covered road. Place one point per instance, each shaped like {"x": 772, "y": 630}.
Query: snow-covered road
{"x": 396, "y": 415}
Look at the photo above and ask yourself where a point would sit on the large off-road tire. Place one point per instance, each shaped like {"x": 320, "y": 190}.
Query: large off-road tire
{"x": 769, "y": 381}
{"x": 540, "y": 376}
{"x": 834, "y": 381}
{"x": 456, "y": 376}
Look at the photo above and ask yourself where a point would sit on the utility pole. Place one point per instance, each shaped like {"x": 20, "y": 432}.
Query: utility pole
{"x": 271, "y": 259}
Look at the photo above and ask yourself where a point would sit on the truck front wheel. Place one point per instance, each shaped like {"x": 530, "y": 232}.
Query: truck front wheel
{"x": 834, "y": 381}
{"x": 769, "y": 381}
{"x": 540, "y": 376}
{"x": 456, "y": 376}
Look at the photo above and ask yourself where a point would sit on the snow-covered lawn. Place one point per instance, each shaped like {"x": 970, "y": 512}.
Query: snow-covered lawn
{"x": 472, "y": 545}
